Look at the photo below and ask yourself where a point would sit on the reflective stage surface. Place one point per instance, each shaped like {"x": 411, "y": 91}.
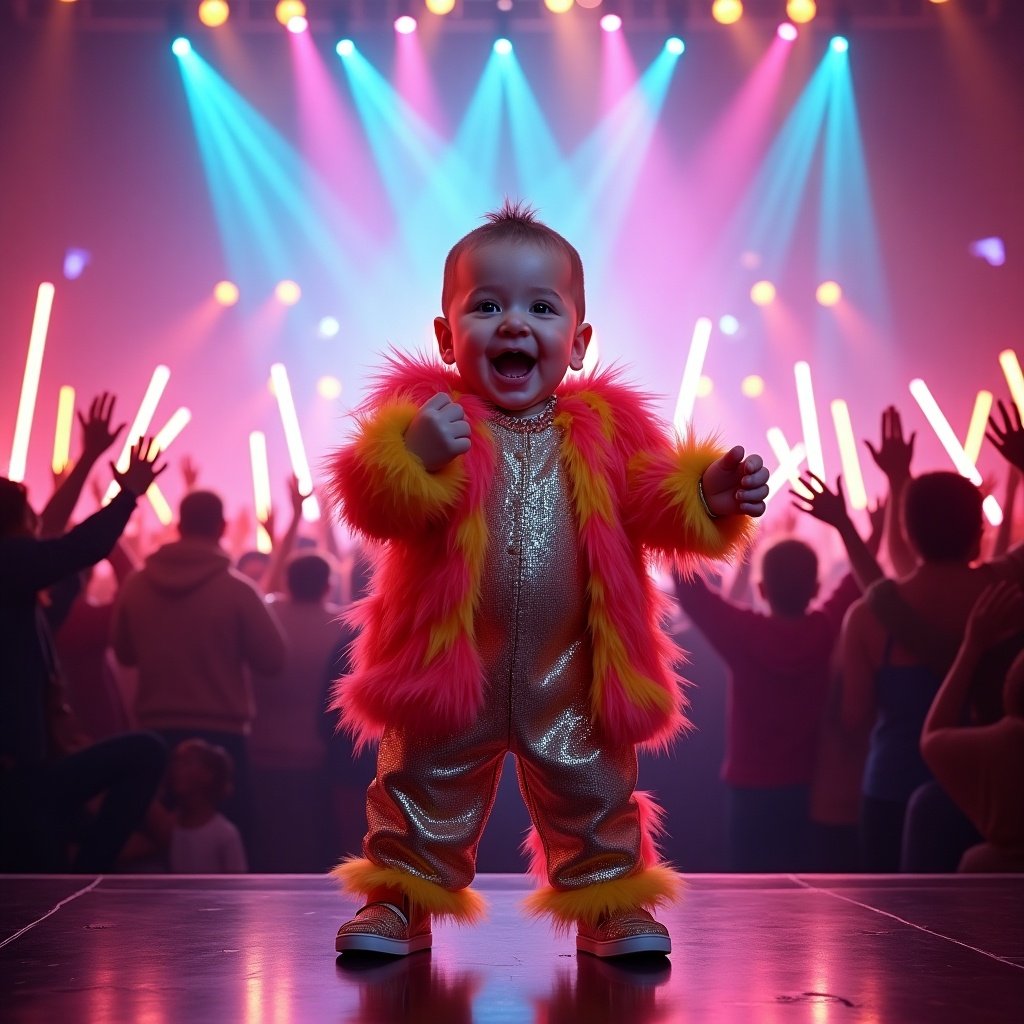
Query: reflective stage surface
{"x": 747, "y": 949}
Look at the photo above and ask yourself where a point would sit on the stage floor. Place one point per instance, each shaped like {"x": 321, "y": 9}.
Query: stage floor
{"x": 751, "y": 949}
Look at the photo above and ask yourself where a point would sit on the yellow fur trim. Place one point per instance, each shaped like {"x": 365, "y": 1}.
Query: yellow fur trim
{"x": 471, "y": 540}
{"x": 654, "y": 887}
{"x": 382, "y": 446}
{"x": 609, "y": 653}
{"x": 590, "y": 490}
{"x": 360, "y": 876}
{"x": 604, "y": 412}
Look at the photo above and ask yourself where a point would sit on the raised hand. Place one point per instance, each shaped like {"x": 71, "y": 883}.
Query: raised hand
{"x": 735, "y": 485}
{"x": 895, "y": 452}
{"x": 821, "y": 503}
{"x": 296, "y": 495}
{"x": 1007, "y": 436}
{"x": 97, "y": 433}
{"x": 438, "y": 433}
{"x": 142, "y": 469}
{"x": 189, "y": 473}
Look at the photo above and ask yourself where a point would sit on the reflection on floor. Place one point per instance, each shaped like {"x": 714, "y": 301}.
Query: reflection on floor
{"x": 747, "y": 949}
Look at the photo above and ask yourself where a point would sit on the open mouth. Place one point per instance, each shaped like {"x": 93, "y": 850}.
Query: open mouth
{"x": 513, "y": 365}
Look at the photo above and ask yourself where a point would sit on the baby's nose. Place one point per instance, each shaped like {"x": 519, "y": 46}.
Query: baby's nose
{"x": 514, "y": 322}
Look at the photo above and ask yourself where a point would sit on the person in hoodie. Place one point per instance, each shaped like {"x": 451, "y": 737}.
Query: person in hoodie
{"x": 195, "y": 628}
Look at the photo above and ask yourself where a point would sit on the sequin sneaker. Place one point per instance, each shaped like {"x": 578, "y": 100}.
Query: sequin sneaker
{"x": 385, "y": 928}
{"x": 629, "y": 931}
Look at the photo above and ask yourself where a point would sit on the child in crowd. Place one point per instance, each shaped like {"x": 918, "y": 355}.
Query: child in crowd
{"x": 202, "y": 840}
{"x": 511, "y": 608}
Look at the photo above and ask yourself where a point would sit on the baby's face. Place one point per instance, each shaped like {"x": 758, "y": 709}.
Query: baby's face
{"x": 512, "y": 327}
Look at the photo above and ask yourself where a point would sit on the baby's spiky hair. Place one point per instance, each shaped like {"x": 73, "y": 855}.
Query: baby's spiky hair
{"x": 515, "y": 221}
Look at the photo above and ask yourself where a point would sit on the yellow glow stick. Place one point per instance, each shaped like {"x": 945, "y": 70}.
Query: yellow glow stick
{"x": 172, "y": 428}
{"x": 979, "y": 421}
{"x": 852, "y": 476}
{"x": 62, "y": 435}
{"x": 260, "y": 487}
{"x": 160, "y": 505}
{"x": 809, "y": 419}
{"x": 692, "y": 373}
{"x": 143, "y": 418}
{"x": 293, "y": 438}
{"x": 1014, "y": 378}
{"x": 30, "y": 381}
{"x": 944, "y": 432}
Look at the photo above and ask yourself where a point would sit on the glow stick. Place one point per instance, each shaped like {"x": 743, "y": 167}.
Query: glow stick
{"x": 789, "y": 458}
{"x": 62, "y": 435}
{"x": 160, "y": 506}
{"x": 691, "y": 373}
{"x": 787, "y": 470}
{"x": 172, "y": 428}
{"x": 260, "y": 487}
{"x": 809, "y": 419}
{"x": 143, "y": 418}
{"x": 852, "y": 476}
{"x": 293, "y": 438}
{"x": 979, "y": 421}
{"x": 964, "y": 466}
{"x": 30, "y": 381}
{"x": 1014, "y": 378}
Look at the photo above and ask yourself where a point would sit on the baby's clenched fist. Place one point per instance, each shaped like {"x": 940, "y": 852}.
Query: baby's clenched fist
{"x": 438, "y": 432}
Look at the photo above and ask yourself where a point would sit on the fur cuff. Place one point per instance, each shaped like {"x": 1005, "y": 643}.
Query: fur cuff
{"x": 360, "y": 876}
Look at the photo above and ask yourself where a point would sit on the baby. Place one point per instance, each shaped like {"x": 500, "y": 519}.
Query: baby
{"x": 515, "y": 513}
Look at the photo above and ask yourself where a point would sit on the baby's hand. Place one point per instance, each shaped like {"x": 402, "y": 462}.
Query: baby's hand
{"x": 438, "y": 432}
{"x": 734, "y": 484}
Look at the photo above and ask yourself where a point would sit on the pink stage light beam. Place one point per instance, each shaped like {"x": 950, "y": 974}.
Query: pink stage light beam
{"x": 30, "y": 381}
{"x": 260, "y": 487}
{"x": 62, "y": 433}
{"x": 944, "y": 432}
{"x": 809, "y": 418}
{"x": 979, "y": 421}
{"x": 691, "y": 374}
{"x": 293, "y": 438}
{"x": 852, "y": 476}
{"x": 143, "y": 418}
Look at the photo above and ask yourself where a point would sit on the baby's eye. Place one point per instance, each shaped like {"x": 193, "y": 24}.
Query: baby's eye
{"x": 487, "y": 306}
{"x": 541, "y": 307}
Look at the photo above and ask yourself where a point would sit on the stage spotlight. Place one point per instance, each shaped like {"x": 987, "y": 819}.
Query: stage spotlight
{"x": 298, "y": 24}
{"x": 328, "y": 327}
{"x": 705, "y": 386}
{"x": 801, "y": 11}
{"x": 589, "y": 4}
{"x": 762, "y": 293}
{"x": 559, "y": 6}
{"x": 727, "y": 12}
{"x": 328, "y": 387}
{"x": 787, "y": 31}
{"x": 611, "y": 23}
{"x": 839, "y": 44}
{"x": 729, "y": 325}
{"x": 504, "y": 6}
{"x": 828, "y": 293}
{"x": 288, "y": 293}
{"x": 503, "y": 46}
{"x": 405, "y": 24}
{"x": 75, "y": 261}
{"x": 345, "y": 48}
{"x": 752, "y": 386}
{"x": 991, "y": 250}
{"x": 226, "y": 293}
{"x": 213, "y": 13}
{"x": 181, "y": 47}
{"x": 440, "y": 6}
{"x": 288, "y": 9}
{"x": 675, "y": 45}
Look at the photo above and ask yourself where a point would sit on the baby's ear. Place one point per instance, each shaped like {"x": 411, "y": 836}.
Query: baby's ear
{"x": 579, "y": 346}
{"x": 443, "y": 333}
